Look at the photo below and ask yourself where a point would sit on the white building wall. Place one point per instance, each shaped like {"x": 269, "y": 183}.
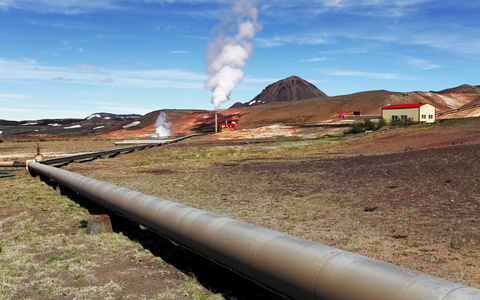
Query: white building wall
{"x": 427, "y": 113}
{"x": 408, "y": 113}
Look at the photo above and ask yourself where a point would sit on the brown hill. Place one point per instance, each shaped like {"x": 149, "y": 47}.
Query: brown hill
{"x": 459, "y": 102}
{"x": 368, "y": 104}
{"x": 289, "y": 89}
{"x": 463, "y": 89}
{"x": 95, "y": 124}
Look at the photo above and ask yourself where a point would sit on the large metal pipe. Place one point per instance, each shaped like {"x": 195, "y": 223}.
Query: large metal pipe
{"x": 295, "y": 267}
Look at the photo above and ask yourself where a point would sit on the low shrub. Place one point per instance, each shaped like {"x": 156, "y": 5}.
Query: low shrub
{"x": 365, "y": 125}
{"x": 368, "y": 125}
{"x": 408, "y": 121}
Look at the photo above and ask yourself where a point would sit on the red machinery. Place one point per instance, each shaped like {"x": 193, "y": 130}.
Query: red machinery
{"x": 227, "y": 126}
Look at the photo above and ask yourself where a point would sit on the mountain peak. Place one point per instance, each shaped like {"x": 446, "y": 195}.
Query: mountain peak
{"x": 289, "y": 89}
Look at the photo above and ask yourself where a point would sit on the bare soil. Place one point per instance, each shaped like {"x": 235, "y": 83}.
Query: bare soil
{"x": 409, "y": 196}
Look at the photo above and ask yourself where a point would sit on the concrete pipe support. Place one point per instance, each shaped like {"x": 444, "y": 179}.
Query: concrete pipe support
{"x": 295, "y": 267}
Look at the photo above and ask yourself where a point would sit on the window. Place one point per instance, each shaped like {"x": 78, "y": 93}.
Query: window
{"x": 404, "y": 117}
{"x": 430, "y": 117}
{"x": 424, "y": 116}
{"x": 394, "y": 117}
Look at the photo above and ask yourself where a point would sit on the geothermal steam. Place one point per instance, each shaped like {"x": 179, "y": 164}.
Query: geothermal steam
{"x": 226, "y": 55}
{"x": 162, "y": 126}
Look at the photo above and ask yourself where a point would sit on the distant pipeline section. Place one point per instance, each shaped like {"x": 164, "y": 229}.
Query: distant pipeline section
{"x": 86, "y": 156}
{"x": 111, "y": 153}
{"x": 297, "y": 268}
{"x": 13, "y": 164}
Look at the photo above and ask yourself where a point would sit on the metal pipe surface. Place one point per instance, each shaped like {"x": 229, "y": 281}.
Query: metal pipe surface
{"x": 295, "y": 267}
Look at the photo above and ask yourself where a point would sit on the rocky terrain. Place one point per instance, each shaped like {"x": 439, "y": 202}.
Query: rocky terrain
{"x": 286, "y": 102}
{"x": 407, "y": 195}
{"x": 63, "y": 127}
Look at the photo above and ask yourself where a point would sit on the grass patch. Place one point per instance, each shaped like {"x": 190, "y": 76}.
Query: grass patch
{"x": 190, "y": 285}
{"x": 46, "y": 255}
{"x": 53, "y": 259}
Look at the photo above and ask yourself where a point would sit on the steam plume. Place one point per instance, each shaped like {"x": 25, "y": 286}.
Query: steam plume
{"x": 226, "y": 55}
{"x": 162, "y": 126}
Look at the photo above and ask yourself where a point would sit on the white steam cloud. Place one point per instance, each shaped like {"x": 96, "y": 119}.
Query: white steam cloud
{"x": 162, "y": 126}
{"x": 226, "y": 55}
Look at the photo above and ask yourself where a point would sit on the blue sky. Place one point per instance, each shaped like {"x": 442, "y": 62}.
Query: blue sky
{"x": 71, "y": 58}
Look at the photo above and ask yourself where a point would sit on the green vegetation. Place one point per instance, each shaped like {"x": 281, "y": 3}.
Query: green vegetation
{"x": 190, "y": 284}
{"x": 44, "y": 253}
{"x": 368, "y": 125}
{"x": 462, "y": 121}
{"x": 53, "y": 259}
{"x": 403, "y": 122}
{"x": 83, "y": 224}
{"x": 365, "y": 125}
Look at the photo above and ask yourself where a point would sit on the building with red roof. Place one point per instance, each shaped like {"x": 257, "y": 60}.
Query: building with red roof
{"x": 417, "y": 112}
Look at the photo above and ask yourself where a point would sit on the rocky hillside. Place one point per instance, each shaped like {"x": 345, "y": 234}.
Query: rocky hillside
{"x": 288, "y": 101}
{"x": 94, "y": 124}
{"x": 109, "y": 116}
{"x": 289, "y": 89}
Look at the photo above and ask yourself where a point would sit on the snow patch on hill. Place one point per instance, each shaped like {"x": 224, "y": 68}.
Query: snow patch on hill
{"x": 93, "y": 116}
{"x": 135, "y": 123}
{"x": 73, "y": 126}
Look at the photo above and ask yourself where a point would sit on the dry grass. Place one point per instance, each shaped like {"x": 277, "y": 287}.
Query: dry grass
{"x": 45, "y": 253}
{"x": 417, "y": 209}
{"x": 15, "y": 149}
{"x": 363, "y": 204}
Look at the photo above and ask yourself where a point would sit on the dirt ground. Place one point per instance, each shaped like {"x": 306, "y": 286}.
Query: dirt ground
{"x": 409, "y": 196}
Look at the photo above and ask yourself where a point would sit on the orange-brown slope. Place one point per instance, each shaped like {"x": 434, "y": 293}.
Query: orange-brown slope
{"x": 368, "y": 103}
{"x": 144, "y": 126}
{"x": 310, "y": 110}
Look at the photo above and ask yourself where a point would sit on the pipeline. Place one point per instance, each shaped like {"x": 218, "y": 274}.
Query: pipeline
{"x": 297, "y": 268}
{"x": 113, "y": 152}
{"x": 14, "y": 164}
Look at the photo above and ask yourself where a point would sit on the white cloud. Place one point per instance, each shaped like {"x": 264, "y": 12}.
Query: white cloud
{"x": 69, "y": 7}
{"x": 289, "y": 10}
{"x": 300, "y": 39}
{"x": 420, "y": 63}
{"x": 249, "y": 79}
{"x": 61, "y": 79}
{"x": 315, "y": 59}
{"x": 143, "y": 64}
{"x": 108, "y": 80}
{"x": 86, "y": 67}
{"x": 8, "y": 97}
{"x": 28, "y": 70}
{"x": 453, "y": 38}
{"x": 116, "y": 107}
{"x": 367, "y": 74}
{"x": 37, "y": 114}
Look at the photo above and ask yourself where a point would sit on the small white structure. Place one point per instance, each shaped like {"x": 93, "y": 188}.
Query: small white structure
{"x": 418, "y": 112}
